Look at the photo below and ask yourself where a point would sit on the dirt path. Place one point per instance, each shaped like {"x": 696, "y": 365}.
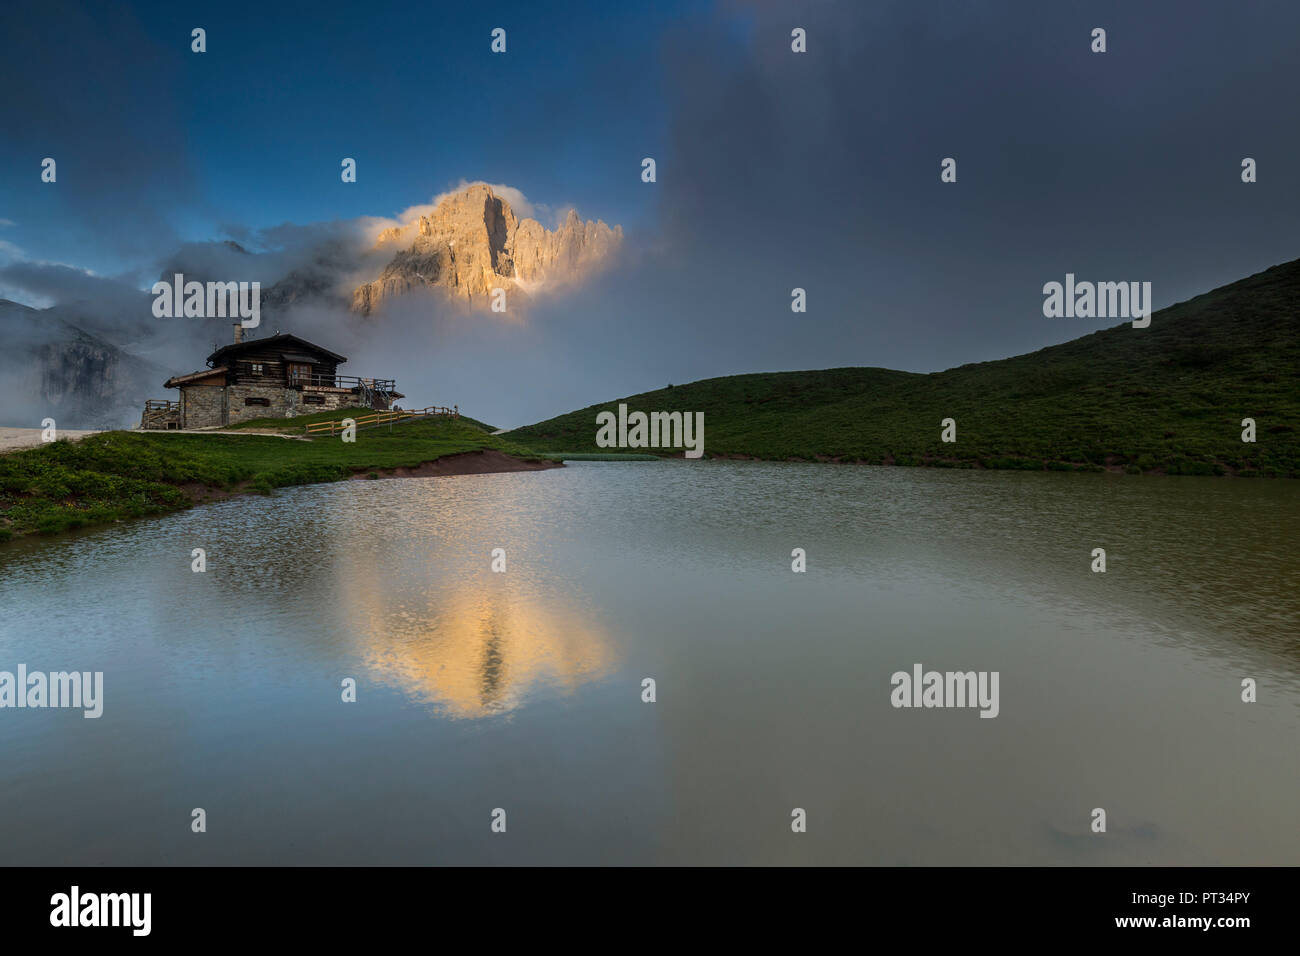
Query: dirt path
{"x": 12, "y": 439}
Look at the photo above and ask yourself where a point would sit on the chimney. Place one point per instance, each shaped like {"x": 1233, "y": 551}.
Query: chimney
{"x": 239, "y": 332}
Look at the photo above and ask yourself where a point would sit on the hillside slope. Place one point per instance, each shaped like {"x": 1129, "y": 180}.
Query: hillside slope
{"x": 1169, "y": 398}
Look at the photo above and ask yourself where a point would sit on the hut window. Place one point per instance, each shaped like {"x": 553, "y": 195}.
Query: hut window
{"x": 257, "y": 368}
{"x": 257, "y": 401}
{"x": 313, "y": 399}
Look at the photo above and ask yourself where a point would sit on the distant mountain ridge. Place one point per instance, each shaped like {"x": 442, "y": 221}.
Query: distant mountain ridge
{"x": 469, "y": 244}
{"x": 1169, "y": 398}
{"x": 54, "y": 367}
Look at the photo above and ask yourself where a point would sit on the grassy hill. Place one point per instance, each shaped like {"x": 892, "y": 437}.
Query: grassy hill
{"x": 116, "y": 475}
{"x": 1169, "y": 398}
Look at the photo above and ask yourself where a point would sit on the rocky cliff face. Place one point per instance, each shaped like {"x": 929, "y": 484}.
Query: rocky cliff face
{"x": 55, "y": 369}
{"x": 473, "y": 243}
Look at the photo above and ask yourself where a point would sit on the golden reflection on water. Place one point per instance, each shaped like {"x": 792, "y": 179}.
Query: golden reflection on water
{"x": 479, "y": 653}
{"x": 426, "y": 614}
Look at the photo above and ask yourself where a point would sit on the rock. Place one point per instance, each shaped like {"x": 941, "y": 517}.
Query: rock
{"x": 473, "y": 243}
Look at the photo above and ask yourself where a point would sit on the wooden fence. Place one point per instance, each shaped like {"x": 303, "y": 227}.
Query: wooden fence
{"x": 396, "y": 416}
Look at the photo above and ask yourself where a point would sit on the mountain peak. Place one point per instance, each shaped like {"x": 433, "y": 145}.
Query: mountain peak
{"x": 473, "y": 242}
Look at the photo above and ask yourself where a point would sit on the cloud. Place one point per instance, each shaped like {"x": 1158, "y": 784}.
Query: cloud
{"x": 336, "y": 254}
{"x": 93, "y": 89}
{"x": 520, "y": 204}
{"x": 105, "y": 304}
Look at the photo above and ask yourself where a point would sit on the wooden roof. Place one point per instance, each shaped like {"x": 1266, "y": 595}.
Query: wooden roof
{"x": 178, "y": 380}
{"x": 291, "y": 343}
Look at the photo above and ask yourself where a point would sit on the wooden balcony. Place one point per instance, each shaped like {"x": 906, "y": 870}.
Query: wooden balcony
{"x": 352, "y": 383}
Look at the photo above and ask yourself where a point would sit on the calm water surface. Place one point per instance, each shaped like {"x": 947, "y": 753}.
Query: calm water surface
{"x": 522, "y": 690}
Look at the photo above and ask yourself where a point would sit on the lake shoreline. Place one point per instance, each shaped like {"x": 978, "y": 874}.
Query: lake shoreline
{"x": 482, "y": 462}
{"x": 487, "y": 461}
{"x": 1112, "y": 465}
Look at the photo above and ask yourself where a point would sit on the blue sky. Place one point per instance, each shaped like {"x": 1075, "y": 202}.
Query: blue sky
{"x": 251, "y": 133}
{"x": 419, "y": 100}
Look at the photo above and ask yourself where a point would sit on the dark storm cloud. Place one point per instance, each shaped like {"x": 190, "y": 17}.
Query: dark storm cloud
{"x": 821, "y": 170}
{"x": 85, "y": 85}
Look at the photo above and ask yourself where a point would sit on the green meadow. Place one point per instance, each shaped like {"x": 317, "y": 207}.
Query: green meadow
{"x": 118, "y": 475}
{"x": 1167, "y": 399}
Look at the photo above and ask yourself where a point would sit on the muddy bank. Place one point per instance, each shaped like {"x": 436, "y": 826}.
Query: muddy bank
{"x": 199, "y": 493}
{"x": 484, "y": 462}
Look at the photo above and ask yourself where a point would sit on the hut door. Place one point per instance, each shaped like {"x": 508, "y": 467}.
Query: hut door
{"x": 299, "y": 374}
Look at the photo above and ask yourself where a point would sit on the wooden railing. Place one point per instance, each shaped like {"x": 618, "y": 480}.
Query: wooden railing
{"x": 353, "y": 382}
{"x": 335, "y": 426}
{"x": 161, "y": 414}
